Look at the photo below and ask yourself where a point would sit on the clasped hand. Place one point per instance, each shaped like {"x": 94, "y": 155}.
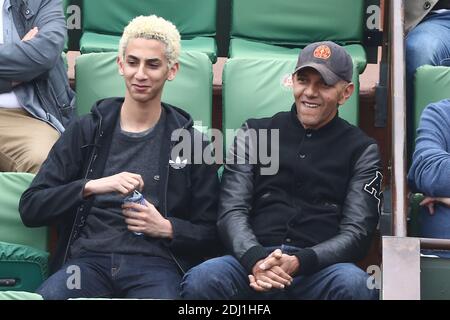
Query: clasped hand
{"x": 273, "y": 272}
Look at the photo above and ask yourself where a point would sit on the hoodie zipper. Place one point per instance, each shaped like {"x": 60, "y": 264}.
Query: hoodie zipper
{"x": 89, "y": 169}
{"x": 165, "y": 199}
{"x": 165, "y": 209}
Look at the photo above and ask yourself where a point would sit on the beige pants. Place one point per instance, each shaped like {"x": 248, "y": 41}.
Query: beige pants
{"x": 24, "y": 141}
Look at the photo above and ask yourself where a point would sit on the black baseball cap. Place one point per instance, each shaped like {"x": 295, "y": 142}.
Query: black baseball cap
{"x": 329, "y": 59}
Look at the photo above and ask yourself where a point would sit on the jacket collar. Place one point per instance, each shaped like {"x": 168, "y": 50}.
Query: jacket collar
{"x": 323, "y": 130}
{"x": 107, "y": 111}
{"x": 26, "y": 9}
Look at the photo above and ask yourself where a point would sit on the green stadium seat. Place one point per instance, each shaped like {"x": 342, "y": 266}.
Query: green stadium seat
{"x": 97, "y": 77}
{"x": 414, "y": 221}
{"x": 257, "y": 32}
{"x": 256, "y": 88}
{"x": 246, "y": 49}
{"x": 264, "y": 48}
{"x": 434, "y": 278}
{"x": 23, "y": 251}
{"x": 431, "y": 84}
{"x": 104, "y": 20}
{"x": 19, "y": 295}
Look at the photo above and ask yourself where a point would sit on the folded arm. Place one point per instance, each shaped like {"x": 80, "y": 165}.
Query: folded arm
{"x": 25, "y": 60}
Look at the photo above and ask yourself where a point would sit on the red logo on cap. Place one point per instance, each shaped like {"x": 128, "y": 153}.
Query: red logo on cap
{"x": 322, "y": 52}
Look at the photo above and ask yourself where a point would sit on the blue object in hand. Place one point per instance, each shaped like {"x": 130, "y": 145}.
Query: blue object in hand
{"x": 138, "y": 198}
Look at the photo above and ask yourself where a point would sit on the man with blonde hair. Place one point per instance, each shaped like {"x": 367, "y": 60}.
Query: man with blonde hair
{"x": 108, "y": 246}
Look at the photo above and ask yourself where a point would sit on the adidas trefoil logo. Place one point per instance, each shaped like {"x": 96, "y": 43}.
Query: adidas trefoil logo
{"x": 178, "y": 163}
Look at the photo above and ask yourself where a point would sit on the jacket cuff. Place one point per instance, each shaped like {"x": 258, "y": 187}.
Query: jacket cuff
{"x": 253, "y": 255}
{"x": 5, "y": 86}
{"x": 308, "y": 261}
{"x": 170, "y": 243}
{"x": 81, "y": 194}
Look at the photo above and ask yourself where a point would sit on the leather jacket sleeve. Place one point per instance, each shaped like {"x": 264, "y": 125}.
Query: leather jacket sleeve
{"x": 233, "y": 214}
{"x": 360, "y": 214}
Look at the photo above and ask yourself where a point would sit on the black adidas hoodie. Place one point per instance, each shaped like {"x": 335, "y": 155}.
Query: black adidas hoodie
{"x": 188, "y": 195}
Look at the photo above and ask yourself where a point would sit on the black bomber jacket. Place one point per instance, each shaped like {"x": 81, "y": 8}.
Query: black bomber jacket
{"x": 324, "y": 199}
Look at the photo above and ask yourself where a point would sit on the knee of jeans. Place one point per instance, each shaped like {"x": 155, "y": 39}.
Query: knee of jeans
{"x": 198, "y": 282}
{"x": 351, "y": 284}
{"x": 417, "y": 56}
{"x": 49, "y": 291}
{"x": 32, "y": 161}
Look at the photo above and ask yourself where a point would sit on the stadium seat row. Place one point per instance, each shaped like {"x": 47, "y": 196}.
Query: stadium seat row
{"x": 256, "y": 81}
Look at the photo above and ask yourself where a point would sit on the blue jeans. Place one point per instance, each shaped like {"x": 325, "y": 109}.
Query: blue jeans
{"x": 427, "y": 43}
{"x": 114, "y": 276}
{"x": 224, "y": 278}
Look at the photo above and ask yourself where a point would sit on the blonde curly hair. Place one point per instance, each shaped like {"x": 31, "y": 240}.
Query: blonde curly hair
{"x": 153, "y": 27}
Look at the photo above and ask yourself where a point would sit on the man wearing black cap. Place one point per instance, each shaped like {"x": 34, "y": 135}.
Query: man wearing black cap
{"x": 296, "y": 234}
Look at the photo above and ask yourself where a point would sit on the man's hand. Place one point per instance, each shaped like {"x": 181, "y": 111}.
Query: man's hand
{"x": 265, "y": 279}
{"x": 123, "y": 183}
{"x": 30, "y": 34}
{"x": 431, "y": 201}
{"x": 289, "y": 264}
{"x": 147, "y": 219}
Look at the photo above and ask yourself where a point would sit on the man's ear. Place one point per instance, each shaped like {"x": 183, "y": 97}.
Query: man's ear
{"x": 173, "y": 71}
{"x": 120, "y": 65}
{"x": 346, "y": 93}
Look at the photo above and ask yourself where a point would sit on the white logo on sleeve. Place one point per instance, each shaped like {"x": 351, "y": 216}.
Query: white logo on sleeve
{"x": 374, "y": 188}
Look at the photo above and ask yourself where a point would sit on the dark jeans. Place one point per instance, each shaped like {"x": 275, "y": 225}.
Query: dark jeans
{"x": 114, "y": 276}
{"x": 224, "y": 278}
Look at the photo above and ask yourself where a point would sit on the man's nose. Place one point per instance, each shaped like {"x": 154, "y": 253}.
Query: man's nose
{"x": 311, "y": 90}
{"x": 140, "y": 74}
